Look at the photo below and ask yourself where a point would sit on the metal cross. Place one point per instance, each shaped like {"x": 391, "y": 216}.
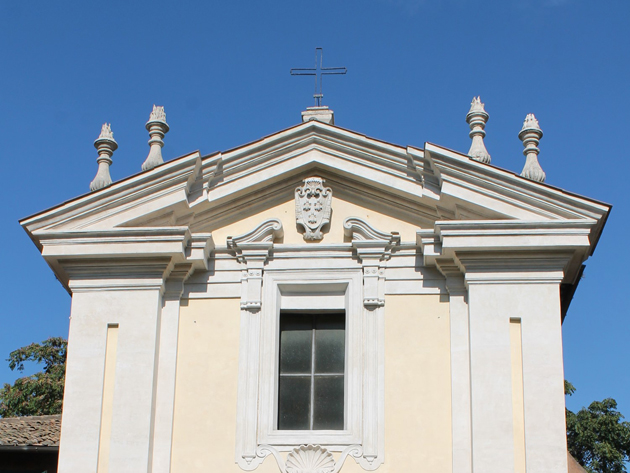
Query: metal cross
{"x": 318, "y": 71}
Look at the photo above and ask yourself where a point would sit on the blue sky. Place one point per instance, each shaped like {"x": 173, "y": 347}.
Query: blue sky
{"x": 221, "y": 69}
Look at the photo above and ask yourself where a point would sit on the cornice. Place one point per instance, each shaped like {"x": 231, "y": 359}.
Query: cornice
{"x": 131, "y": 191}
{"x": 94, "y": 250}
{"x": 503, "y": 239}
{"x": 134, "y": 242}
{"x": 485, "y": 179}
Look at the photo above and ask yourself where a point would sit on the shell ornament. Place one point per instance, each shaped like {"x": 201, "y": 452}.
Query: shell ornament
{"x": 310, "y": 459}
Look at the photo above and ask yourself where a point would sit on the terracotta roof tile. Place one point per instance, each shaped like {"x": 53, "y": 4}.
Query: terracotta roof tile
{"x": 40, "y": 431}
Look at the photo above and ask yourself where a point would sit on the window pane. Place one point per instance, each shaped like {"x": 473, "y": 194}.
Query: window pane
{"x": 296, "y": 338}
{"x": 294, "y": 403}
{"x": 328, "y": 403}
{"x": 330, "y": 342}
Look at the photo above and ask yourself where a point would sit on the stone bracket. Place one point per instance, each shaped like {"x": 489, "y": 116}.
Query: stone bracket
{"x": 373, "y": 248}
{"x": 253, "y": 249}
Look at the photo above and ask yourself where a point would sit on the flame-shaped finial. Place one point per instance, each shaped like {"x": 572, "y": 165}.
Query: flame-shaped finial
{"x": 476, "y": 119}
{"x": 106, "y": 145}
{"x": 158, "y": 114}
{"x": 530, "y": 135}
{"x": 157, "y": 128}
{"x": 106, "y": 132}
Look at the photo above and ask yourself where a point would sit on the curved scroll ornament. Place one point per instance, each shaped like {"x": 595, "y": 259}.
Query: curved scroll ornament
{"x": 313, "y": 207}
{"x": 310, "y": 458}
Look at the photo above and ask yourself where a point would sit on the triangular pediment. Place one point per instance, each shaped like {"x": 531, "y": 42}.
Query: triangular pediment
{"x": 414, "y": 186}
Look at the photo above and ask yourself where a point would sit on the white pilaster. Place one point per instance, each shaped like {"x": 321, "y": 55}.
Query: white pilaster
{"x": 167, "y": 369}
{"x": 460, "y": 366}
{"x": 78, "y": 450}
{"x": 252, "y": 249}
{"x": 524, "y": 286}
{"x": 543, "y": 375}
{"x": 129, "y": 295}
{"x": 490, "y": 306}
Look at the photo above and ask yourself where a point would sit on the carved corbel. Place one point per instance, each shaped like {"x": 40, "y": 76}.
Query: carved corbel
{"x": 374, "y": 249}
{"x": 174, "y": 286}
{"x": 253, "y": 249}
{"x": 455, "y": 284}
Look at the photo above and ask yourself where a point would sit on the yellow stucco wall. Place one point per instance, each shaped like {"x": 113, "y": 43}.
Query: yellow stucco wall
{"x": 341, "y": 210}
{"x": 417, "y": 387}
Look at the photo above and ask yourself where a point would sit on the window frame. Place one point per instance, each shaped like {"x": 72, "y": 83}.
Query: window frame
{"x": 314, "y": 316}
{"x": 297, "y": 291}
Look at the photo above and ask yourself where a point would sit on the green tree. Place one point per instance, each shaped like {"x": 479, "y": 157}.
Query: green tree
{"x": 597, "y": 436}
{"x": 42, "y": 392}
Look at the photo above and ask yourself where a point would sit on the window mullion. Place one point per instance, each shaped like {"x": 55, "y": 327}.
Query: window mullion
{"x": 312, "y": 373}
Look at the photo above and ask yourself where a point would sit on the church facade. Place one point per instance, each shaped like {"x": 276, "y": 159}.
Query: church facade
{"x": 320, "y": 301}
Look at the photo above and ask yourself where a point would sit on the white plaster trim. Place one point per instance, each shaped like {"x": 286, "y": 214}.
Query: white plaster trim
{"x": 253, "y": 249}
{"x": 310, "y": 458}
{"x": 461, "y": 417}
{"x": 373, "y": 247}
{"x": 166, "y": 370}
{"x": 364, "y": 390}
{"x": 266, "y": 232}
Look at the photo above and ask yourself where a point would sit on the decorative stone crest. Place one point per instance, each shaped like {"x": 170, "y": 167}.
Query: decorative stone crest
{"x": 157, "y": 128}
{"x": 106, "y": 145}
{"x": 476, "y": 119}
{"x": 313, "y": 207}
{"x": 530, "y": 135}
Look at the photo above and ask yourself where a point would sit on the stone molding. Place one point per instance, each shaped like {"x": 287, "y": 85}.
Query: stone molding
{"x": 373, "y": 248}
{"x": 253, "y": 249}
{"x": 310, "y": 458}
{"x": 455, "y": 284}
{"x": 174, "y": 286}
{"x": 290, "y": 290}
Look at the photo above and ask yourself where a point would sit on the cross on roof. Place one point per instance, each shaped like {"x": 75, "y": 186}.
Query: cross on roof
{"x": 318, "y": 71}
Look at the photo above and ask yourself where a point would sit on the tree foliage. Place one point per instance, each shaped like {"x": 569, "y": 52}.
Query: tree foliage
{"x": 42, "y": 392}
{"x": 597, "y": 436}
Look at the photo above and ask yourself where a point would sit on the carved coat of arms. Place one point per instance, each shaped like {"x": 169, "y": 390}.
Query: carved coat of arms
{"x": 312, "y": 207}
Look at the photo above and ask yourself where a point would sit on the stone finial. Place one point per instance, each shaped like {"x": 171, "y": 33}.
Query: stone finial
{"x": 477, "y": 118}
{"x": 157, "y": 129}
{"x": 106, "y": 145}
{"x": 530, "y": 135}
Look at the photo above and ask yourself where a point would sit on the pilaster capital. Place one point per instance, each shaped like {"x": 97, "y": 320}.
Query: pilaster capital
{"x": 112, "y": 274}
{"x": 515, "y": 267}
{"x": 78, "y": 256}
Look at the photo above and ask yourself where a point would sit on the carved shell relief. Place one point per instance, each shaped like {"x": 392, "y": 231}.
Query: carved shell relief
{"x": 310, "y": 459}
{"x": 313, "y": 207}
